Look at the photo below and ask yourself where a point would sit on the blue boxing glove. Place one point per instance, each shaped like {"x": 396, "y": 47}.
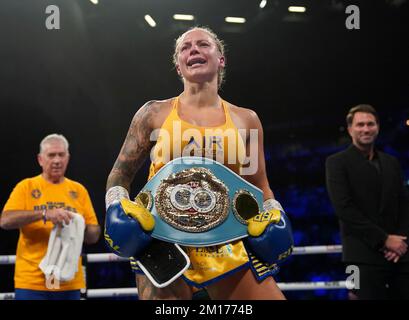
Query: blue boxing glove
{"x": 270, "y": 236}
{"x": 127, "y": 225}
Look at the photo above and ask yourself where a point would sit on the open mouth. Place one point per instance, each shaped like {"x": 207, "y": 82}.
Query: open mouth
{"x": 196, "y": 62}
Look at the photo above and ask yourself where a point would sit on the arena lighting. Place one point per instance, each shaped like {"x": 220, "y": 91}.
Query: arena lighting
{"x": 297, "y": 9}
{"x": 407, "y": 122}
{"x": 150, "y": 20}
{"x": 186, "y": 17}
{"x": 263, "y": 3}
{"x": 235, "y": 20}
{"x": 94, "y": 1}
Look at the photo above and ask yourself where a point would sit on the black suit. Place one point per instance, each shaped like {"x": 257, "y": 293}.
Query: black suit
{"x": 371, "y": 202}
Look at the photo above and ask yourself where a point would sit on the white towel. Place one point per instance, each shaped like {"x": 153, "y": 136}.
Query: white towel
{"x": 64, "y": 250}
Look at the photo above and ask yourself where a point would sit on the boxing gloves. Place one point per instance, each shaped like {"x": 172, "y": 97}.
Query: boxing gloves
{"x": 270, "y": 236}
{"x": 127, "y": 225}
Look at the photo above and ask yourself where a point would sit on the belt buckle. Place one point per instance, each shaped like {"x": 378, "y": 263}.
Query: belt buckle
{"x": 193, "y": 200}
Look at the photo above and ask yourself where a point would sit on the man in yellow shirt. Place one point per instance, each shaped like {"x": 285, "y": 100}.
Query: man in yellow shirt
{"x": 35, "y": 206}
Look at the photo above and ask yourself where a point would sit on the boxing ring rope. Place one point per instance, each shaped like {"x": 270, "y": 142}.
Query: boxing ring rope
{"x": 122, "y": 292}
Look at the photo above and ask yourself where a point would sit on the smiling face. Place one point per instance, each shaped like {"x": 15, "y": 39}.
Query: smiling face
{"x": 364, "y": 129}
{"x": 53, "y": 159}
{"x": 198, "y": 58}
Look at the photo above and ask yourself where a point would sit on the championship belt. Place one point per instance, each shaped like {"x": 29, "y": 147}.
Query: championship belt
{"x": 199, "y": 202}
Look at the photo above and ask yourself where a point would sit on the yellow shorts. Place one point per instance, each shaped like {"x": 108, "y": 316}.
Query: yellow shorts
{"x": 210, "y": 264}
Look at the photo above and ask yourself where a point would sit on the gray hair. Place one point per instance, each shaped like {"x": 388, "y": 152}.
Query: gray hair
{"x": 54, "y": 137}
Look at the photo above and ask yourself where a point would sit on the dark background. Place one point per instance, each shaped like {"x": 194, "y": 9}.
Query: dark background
{"x": 300, "y": 72}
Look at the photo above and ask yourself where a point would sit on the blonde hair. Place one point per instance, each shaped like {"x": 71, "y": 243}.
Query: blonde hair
{"x": 220, "y": 46}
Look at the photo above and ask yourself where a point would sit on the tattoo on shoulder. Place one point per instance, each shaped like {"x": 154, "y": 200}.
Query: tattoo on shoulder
{"x": 135, "y": 148}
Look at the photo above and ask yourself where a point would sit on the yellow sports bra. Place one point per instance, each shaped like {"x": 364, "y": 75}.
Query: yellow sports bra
{"x": 177, "y": 138}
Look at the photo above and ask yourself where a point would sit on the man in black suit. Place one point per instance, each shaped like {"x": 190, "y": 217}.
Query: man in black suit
{"x": 372, "y": 203}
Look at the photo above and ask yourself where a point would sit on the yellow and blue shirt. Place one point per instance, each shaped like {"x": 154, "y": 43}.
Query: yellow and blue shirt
{"x": 38, "y": 194}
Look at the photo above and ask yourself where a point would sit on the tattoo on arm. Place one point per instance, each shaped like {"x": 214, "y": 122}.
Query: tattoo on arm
{"x": 177, "y": 290}
{"x": 135, "y": 149}
{"x": 146, "y": 290}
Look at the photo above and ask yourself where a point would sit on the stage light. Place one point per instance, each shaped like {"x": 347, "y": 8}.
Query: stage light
{"x": 185, "y": 17}
{"x": 150, "y": 21}
{"x": 235, "y": 20}
{"x": 94, "y": 1}
{"x": 263, "y": 3}
{"x": 297, "y": 9}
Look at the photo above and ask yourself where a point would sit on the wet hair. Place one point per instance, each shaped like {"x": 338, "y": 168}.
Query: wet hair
{"x": 220, "y": 46}
{"x": 366, "y": 108}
